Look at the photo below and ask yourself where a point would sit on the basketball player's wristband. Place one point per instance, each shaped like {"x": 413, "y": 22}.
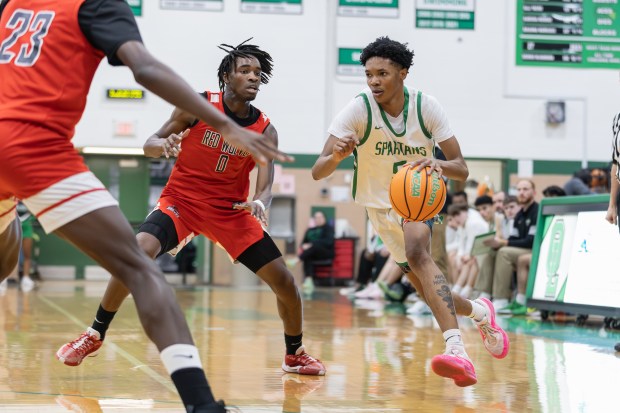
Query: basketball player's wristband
{"x": 260, "y": 204}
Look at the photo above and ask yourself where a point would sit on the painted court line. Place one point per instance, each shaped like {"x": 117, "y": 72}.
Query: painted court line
{"x": 165, "y": 381}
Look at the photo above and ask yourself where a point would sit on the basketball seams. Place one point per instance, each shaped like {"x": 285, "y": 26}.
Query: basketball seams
{"x": 405, "y": 197}
{"x": 412, "y": 203}
{"x": 423, "y": 203}
{"x": 439, "y": 204}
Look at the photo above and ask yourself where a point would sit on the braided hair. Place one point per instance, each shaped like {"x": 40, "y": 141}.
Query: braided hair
{"x": 389, "y": 49}
{"x": 248, "y": 51}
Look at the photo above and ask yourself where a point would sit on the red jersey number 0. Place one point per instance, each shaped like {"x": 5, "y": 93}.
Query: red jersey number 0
{"x": 24, "y": 22}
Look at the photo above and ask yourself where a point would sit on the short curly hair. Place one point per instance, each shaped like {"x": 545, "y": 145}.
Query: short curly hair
{"x": 389, "y": 49}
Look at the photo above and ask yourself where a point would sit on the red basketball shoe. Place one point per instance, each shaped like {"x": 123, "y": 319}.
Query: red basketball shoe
{"x": 303, "y": 363}
{"x": 455, "y": 364}
{"x": 86, "y": 345}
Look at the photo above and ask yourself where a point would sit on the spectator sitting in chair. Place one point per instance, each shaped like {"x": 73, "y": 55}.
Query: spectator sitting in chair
{"x": 518, "y": 243}
{"x": 465, "y": 264}
{"x": 317, "y": 244}
{"x": 518, "y": 306}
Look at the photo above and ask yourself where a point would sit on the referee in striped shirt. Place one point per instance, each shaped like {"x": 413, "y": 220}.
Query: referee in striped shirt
{"x": 612, "y": 211}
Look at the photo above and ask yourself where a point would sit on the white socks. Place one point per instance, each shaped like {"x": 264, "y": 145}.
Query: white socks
{"x": 453, "y": 337}
{"x": 520, "y": 299}
{"x": 180, "y": 356}
{"x": 478, "y": 311}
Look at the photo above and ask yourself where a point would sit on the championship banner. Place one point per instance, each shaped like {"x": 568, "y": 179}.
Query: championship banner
{"x": 445, "y": 14}
{"x": 272, "y": 6}
{"x": 349, "y": 62}
{"x": 368, "y": 8}
{"x": 194, "y": 5}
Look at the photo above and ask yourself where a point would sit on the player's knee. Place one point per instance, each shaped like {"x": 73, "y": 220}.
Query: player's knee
{"x": 417, "y": 257}
{"x": 153, "y": 295}
{"x": 149, "y": 244}
{"x": 283, "y": 283}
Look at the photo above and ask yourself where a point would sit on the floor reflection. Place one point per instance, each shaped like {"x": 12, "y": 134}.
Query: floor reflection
{"x": 377, "y": 358}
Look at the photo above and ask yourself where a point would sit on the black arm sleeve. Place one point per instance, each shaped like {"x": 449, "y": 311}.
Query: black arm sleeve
{"x": 108, "y": 24}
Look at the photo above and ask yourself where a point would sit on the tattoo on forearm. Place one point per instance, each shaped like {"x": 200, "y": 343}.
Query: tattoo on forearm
{"x": 444, "y": 292}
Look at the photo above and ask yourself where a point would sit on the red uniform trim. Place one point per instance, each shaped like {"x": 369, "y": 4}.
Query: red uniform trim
{"x": 8, "y": 212}
{"x": 68, "y": 199}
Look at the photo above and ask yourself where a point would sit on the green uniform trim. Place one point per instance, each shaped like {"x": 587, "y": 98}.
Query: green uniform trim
{"x": 369, "y": 121}
{"x": 420, "y": 119}
{"x": 355, "y": 166}
{"x": 405, "y": 115}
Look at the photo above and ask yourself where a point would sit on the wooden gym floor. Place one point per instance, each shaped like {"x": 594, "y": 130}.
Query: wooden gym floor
{"x": 377, "y": 358}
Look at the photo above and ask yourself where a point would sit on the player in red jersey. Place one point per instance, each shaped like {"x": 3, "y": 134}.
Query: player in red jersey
{"x": 206, "y": 194}
{"x": 49, "y": 52}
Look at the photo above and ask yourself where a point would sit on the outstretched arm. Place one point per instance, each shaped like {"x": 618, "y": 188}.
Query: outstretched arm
{"x": 161, "y": 80}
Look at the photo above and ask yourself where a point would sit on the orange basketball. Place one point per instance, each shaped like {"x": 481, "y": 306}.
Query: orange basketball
{"x": 417, "y": 196}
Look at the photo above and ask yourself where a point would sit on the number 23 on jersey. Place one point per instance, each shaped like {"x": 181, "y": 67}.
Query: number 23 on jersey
{"x": 23, "y": 46}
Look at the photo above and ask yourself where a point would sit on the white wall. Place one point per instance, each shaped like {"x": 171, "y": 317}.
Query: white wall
{"x": 496, "y": 108}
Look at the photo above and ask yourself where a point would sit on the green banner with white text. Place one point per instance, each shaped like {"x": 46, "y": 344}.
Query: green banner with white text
{"x": 272, "y": 6}
{"x": 368, "y": 8}
{"x": 349, "y": 62}
{"x": 192, "y": 5}
{"x": 445, "y": 14}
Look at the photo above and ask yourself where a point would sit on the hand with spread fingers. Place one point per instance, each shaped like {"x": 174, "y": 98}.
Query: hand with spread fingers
{"x": 422, "y": 163}
{"x": 259, "y": 146}
{"x": 256, "y": 208}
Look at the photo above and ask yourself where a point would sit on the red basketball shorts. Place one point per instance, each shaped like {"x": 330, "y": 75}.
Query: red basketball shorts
{"x": 232, "y": 229}
{"x": 45, "y": 171}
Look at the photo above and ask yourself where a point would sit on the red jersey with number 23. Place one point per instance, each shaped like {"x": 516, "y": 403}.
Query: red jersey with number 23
{"x": 209, "y": 168}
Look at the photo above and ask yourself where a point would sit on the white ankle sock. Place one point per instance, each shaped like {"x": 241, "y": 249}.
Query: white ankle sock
{"x": 180, "y": 356}
{"x": 453, "y": 337}
{"x": 456, "y": 289}
{"x": 478, "y": 311}
{"x": 520, "y": 299}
